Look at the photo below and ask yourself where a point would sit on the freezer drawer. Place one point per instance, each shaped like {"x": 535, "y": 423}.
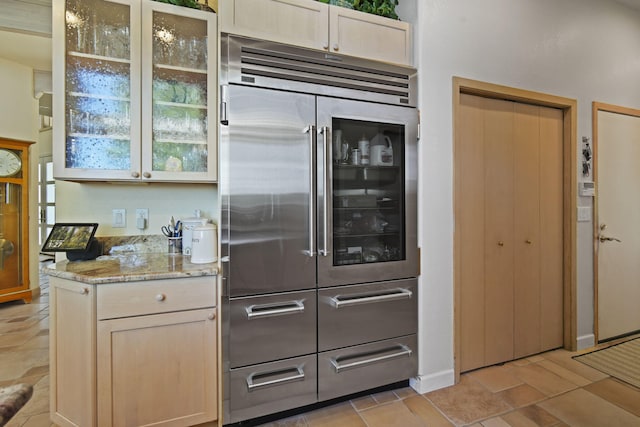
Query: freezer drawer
{"x": 357, "y": 314}
{"x": 273, "y": 327}
{"x": 272, "y": 387}
{"x": 353, "y": 369}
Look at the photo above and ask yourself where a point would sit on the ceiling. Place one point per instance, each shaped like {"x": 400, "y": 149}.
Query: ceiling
{"x": 25, "y": 31}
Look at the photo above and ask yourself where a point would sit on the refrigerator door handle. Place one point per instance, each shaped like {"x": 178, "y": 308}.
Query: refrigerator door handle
{"x": 298, "y": 376}
{"x": 327, "y": 180}
{"x": 341, "y": 301}
{"x": 268, "y": 310}
{"x": 311, "y": 130}
{"x": 403, "y": 351}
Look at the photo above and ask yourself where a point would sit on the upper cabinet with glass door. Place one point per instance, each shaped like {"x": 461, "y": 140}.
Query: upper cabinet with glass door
{"x": 139, "y": 84}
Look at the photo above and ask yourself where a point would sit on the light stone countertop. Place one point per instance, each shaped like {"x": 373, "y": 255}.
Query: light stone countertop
{"x": 130, "y": 268}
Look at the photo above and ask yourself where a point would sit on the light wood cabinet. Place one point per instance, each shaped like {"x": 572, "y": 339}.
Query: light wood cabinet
{"x": 135, "y": 353}
{"x": 139, "y": 80}
{"x": 319, "y": 26}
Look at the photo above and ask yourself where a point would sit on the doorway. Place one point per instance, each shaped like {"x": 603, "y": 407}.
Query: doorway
{"x": 46, "y": 198}
{"x": 616, "y": 132}
{"x": 509, "y": 259}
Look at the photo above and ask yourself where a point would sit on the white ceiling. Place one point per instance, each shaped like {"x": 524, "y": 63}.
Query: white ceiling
{"x": 25, "y": 29}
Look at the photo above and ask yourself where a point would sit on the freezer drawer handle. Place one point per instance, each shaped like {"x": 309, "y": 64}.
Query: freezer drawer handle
{"x": 340, "y": 301}
{"x": 267, "y": 310}
{"x": 403, "y": 351}
{"x": 298, "y": 376}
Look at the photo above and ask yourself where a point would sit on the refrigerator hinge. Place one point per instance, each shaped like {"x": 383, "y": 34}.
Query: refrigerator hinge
{"x": 224, "y": 97}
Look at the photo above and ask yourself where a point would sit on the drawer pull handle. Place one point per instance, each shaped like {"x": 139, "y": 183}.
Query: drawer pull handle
{"x": 161, "y": 297}
{"x": 298, "y": 375}
{"x": 211, "y": 316}
{"x": 403, "y": 351}
{"x": 340, "y": 301}
{"x": 257, "y": 311}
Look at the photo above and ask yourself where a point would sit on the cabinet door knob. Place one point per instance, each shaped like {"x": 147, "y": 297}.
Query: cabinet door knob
{"x": 528, "y": 241}
{"x": 501, "y": 243}
{"x": 84, "y": 291}
{"x": 135, "y": 174}
{"x": 161, "y": 297}
{"x": 325, "y": 46}
{"x": 336, "y": 47}
{"x": 211, "y": 316}
{"x": 146, "y": 174}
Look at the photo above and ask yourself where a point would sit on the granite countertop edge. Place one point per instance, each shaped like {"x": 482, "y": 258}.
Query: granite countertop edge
{"x": 130, "y": 268}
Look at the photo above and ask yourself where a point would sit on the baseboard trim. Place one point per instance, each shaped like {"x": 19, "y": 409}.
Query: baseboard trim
{"x": 586, "y": 341}
{"x": 426, "y": 383}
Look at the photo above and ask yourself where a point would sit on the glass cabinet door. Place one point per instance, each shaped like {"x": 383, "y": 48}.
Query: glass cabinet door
{"x": 101, "y": 92}
{"x": 368, "y": 192}
{"x": 178, "y": 87}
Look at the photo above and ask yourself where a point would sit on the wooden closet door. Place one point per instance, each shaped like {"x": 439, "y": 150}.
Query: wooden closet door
{"x": 499, "y": 225}
{"x": 509, "y": 216}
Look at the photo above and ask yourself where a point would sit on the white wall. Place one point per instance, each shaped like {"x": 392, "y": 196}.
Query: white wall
{"x": 19, "y": 120}
{"x": 588, "y": 50}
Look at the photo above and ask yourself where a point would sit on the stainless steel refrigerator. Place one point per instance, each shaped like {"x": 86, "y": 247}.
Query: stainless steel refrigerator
{"x": 318, "y": 163}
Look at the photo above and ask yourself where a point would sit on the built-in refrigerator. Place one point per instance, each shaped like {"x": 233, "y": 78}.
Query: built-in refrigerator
{"x": 318, "y": 183}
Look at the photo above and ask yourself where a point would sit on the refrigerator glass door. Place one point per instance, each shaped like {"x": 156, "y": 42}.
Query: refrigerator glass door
{"x": 267, "y": 201}
{"x": 367, "y": 222}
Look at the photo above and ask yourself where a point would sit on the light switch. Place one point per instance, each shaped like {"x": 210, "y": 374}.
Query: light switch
{"x": 119, "y": 218}
{"x": 584, "y": 213}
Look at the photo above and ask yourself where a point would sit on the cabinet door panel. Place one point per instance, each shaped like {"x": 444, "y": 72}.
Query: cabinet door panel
{"x": 370, "y": 36}
{"x": 300, "y": 22}
{"x": 157, "y": 370}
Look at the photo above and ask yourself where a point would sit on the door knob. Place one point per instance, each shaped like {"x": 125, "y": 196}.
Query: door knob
{"x": 501, "y": 243}
{"x": 528, "y": 241}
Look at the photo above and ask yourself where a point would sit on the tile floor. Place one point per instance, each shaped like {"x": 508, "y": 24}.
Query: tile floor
{"x": 546, "y": 390}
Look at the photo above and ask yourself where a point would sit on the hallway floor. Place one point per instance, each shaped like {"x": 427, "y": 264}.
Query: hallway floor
{"x": 546, "y": 390}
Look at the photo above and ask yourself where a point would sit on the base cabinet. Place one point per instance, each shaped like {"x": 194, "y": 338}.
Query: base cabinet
{"x": 146, "y": 368}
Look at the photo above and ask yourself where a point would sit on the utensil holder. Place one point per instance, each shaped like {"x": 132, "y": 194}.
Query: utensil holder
{"x": 174, "y": 245}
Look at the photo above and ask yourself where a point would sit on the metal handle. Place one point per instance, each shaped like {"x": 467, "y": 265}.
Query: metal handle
{"x": 257, "y": 311}
{"x": 327, "y": 180}
{"x": 340, "y": 301}
{"x": 404, "y": 351}
{"x": 298, "y": 376}
{"x": 312, "y": 194}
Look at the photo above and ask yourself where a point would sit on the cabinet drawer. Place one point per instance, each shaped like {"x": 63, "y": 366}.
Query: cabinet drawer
{"x": 353, "y": 369}
{"x": 272, "y": 327}
{"x": 272, "y": 387}
{"x": 351, "y": 315}
{"x": 155, "y": 296}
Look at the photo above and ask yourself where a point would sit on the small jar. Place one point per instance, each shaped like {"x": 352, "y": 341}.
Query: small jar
{"x": 355, "y": 156}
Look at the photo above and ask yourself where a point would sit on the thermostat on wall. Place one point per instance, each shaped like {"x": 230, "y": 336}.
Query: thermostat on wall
{"x": 587, "y": 188}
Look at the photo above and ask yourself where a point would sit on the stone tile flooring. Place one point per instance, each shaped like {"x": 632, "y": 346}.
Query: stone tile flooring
{"x": 546, "y": 390}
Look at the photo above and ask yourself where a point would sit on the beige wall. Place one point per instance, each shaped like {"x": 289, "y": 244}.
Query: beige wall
{"x": 19, "y": 120}
{"x": 93, "y": 202}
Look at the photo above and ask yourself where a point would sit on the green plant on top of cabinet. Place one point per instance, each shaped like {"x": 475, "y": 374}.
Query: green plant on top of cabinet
{"x": 139, "y": 84}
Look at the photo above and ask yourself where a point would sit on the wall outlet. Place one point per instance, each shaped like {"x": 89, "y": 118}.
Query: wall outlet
{"x": 119, "y": 218}
{"x": 142, "y": 218}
